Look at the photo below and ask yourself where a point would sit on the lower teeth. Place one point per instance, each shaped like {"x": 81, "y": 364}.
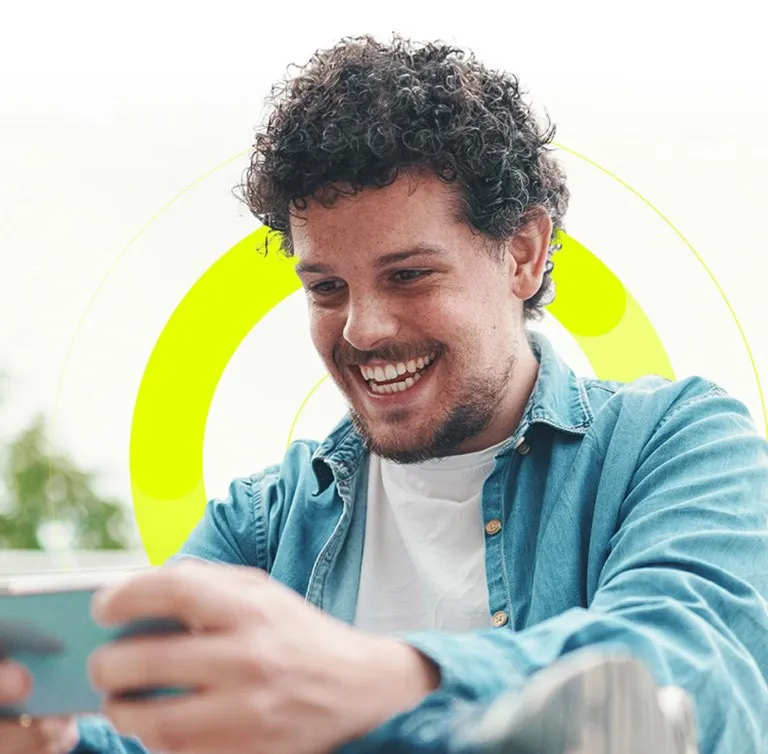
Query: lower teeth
{"x": 396, "y": 387}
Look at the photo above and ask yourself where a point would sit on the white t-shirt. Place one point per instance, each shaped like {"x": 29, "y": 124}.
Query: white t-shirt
{"x": 424, "y": 555}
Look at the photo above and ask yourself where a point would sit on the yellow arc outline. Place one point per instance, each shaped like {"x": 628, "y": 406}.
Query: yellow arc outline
{"x": 700, "y": 260}
{"x": 194, "y": 495}
{"x": 178, "y": 385}
{"x": 301, "y": 408}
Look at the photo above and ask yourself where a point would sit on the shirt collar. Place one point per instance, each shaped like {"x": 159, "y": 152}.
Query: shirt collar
{"x": 558, "y": 399}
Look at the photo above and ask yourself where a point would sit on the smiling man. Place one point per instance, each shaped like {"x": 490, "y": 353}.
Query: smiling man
{"x": 418, "y": 319}
{"x": 489, "y": 553}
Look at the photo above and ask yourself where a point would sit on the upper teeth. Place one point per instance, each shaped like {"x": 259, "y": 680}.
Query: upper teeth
{"x": 386, "y": 372}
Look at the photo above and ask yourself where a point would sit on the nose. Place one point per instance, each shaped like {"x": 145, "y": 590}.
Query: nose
{"x": 371, "y": 321}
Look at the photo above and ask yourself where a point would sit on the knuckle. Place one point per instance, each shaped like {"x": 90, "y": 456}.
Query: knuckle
{"x": 189, "y": 569}
{"x": 271, "y": 664}
{"x": 183, "y": 591}
{"x": 263, "y": 658}
{"x": 186, "y": 567}
{"x": 261, "y": 708}
{"x": 252, "y": 661}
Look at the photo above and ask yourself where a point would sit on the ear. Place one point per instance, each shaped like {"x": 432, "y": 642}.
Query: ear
{"x": 529, "y": 248}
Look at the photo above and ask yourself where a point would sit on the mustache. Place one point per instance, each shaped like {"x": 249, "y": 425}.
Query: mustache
{"x": 345, "y": 354}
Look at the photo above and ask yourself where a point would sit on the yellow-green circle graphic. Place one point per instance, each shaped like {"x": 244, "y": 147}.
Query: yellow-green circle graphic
{"x": 205, "y": 330}
{"x": 231, "y": 297}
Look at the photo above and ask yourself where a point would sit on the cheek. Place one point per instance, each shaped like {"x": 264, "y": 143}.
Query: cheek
{"x": 476, "y": 335}
{"x": 460, "y": 323}
{"x": 324, "y": 332}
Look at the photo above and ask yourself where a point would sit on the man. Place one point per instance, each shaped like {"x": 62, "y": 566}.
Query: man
{"x": 489, "y": 552}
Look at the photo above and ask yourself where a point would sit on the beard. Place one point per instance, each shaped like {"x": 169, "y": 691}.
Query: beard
{"x": 466, "y": 417}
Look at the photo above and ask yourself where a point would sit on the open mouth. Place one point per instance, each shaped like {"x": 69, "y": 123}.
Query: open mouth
{"x": 396, "y": 376}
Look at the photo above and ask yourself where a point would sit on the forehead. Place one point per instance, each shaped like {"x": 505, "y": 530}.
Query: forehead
{"x": 414, "y": 210}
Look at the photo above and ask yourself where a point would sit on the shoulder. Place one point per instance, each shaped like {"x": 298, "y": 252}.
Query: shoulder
{"x": 654, "y": 400}
{"x": 657, "y": 418}
{"x": 690, "y": 428}
{"x": 295, "y": 466}
{"x": 243, "y": 526}
{"x": 273, "y": 488}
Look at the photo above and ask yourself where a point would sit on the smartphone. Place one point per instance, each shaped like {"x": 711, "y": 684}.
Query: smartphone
{"x": 46, "y": 625}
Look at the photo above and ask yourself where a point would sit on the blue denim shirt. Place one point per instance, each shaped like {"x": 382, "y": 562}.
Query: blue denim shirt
{"x": 632, "y": 516}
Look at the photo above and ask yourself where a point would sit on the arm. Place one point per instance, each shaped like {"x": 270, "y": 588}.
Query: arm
{"x": 683, "y": 589}
{"x": 233, "y": 530}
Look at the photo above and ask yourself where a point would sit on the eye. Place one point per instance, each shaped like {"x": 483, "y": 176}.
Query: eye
{"x": 326, "y": 287}
{"x": 408, "y": 276}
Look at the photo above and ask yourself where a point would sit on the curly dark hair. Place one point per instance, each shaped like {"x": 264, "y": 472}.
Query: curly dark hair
{"x": 362, "y": 112}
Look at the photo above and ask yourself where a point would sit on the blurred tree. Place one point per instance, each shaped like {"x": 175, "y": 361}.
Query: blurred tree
{"x": 44, "y": 487}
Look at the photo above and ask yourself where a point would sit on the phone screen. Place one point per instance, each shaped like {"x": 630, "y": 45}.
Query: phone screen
{"x": 52, "y": 633}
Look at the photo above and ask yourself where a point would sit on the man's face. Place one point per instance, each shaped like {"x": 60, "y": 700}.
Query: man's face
{"x": 414, "y": 318}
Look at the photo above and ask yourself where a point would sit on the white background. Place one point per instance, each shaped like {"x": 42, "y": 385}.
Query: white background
{"x": 108, "y": 113}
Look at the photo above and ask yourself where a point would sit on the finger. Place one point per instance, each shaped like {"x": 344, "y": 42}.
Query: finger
{"x": 15, "y": 682}
{"x": 49, "y": 735}
{"x": 59, "y": 734}
{"x": 189, "y": 661}
{"x": 211, "y": 722}
{"x": 201, "y": 595}
{"x": 255, "y": 725}
{"x": 164, "y": 724}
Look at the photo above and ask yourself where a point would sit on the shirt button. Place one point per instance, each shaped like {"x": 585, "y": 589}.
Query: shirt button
{"x": 499, "y": 619}
{"x": 493, "y": 527}
{"x": 522, "y": 446}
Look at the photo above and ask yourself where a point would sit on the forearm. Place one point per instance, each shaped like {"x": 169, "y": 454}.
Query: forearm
{"x": 679, "y": 648}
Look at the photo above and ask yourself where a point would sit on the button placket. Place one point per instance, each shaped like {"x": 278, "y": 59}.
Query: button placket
{"x": 493, "y": 509}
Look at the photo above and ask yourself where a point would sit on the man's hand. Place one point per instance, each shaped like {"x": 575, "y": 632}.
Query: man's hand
{"x": 268, "y": 672}
{"x": 52, "y": 735}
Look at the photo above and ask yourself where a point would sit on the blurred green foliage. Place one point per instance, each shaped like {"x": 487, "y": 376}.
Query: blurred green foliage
{"x": 40, "y": 486}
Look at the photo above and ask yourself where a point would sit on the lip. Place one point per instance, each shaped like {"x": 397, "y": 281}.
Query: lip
{"x": 395, "y": 399}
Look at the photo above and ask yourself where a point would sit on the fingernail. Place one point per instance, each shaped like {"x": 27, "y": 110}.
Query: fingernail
{"x": 98, "y": 603}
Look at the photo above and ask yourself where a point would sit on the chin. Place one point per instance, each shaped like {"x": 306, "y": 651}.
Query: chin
{"x": 431, "y": 437}
{"x": 401, "y": 453}
{"x": 389, "y": 445}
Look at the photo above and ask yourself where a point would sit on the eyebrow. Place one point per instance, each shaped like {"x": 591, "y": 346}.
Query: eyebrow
{"x": 383, "y": 261}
